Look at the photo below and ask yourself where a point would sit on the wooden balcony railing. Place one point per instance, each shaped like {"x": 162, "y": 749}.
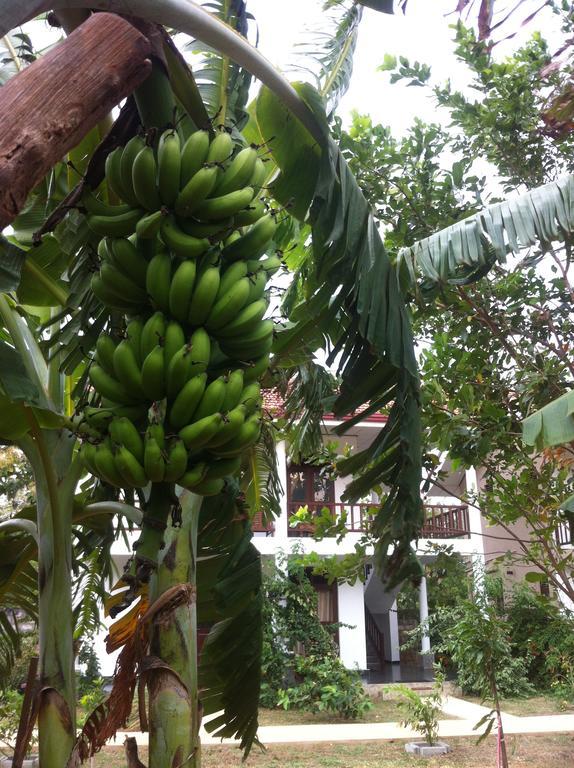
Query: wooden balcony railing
{"x": 565, "y": 534}
{"x": 442, "y": 521}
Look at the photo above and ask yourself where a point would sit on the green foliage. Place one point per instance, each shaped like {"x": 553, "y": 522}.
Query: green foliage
{"x": 91, "y": 675}
{"x": 92, "y": 696}
{"x": 16, "y": 481}
{"x": 10, "y": 709}
{"x": 301, "y": 665}
{"x": 543, "y": 635}
{"x": 19, "y": 669}
{"x": 421, "y": 712}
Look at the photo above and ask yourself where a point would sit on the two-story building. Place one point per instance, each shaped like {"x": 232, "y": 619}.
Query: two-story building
{"x": 370, "y": 636}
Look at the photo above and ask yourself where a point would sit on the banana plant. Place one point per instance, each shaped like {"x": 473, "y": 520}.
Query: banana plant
{"x": 345, "y": 296}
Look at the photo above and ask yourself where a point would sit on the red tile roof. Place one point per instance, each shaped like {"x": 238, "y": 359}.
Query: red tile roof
{"x": 273, "y": 402}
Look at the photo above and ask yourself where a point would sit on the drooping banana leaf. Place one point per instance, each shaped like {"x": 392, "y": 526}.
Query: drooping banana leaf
{"x": 465, "y": 251}
{"x": 329, "y": 52}
{"x": 551, "y": 425}
{"x": 349, "y": 290}
{"x": 229, "y": 600}
{"x": 260, "y": 478}
{"x": 223, "y": 84}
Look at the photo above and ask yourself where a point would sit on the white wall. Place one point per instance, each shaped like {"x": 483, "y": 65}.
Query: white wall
{"x": 352, "y": 643}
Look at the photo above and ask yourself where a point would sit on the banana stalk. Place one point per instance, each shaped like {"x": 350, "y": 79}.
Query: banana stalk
{"x": 172, "y": 683}
{"x": 50, "y": 453}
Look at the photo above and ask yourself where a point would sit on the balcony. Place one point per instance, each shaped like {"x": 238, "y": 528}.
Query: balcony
{"x": 565, "y": 534}
{"x": 442, "y": 521}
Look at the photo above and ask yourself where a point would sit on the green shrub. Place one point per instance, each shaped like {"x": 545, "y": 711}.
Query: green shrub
{"x": 421, "y": 712}
{"x": 301, "y": 665}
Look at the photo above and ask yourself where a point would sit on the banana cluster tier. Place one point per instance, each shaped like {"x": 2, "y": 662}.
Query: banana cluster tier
{"x": 182, "y": 262}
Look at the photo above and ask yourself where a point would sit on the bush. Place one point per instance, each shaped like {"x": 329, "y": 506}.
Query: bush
{"x": 421, "y": 712}
{"x": 301, "y": 665}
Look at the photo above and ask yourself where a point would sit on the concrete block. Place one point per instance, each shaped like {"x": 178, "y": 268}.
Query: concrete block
{"x": 422, "y": 749}
{"x": 29, "y": 762}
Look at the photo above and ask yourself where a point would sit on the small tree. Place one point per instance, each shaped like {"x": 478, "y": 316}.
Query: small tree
{"x": 421, "y": 712}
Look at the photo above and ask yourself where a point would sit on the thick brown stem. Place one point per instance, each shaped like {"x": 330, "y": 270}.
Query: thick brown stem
{"x": 55, "y": 101}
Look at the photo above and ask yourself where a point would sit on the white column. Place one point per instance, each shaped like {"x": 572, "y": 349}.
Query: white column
{"x": 280, "y": 535}
{"x": 478, "y": 558}
{"x": 423, "y": 616}
{"x": 352, "y": 640}
{"x": 391, "y": 634}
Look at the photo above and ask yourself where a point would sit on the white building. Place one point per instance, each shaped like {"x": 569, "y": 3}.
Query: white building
{"x": 372, "y": 641}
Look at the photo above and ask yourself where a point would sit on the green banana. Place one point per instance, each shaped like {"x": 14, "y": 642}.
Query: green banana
{"x": 197, "y": 189}
{"x": 246, "y": 436}
{"x": 88, "y": 455}
{"x": 131, "y": 471}
{"x": 212, "y": 399}
{"x": 214, "y": 232}
{"x": 123, "y": 432}
{"x": 127, "y": 370}
{"x": 178, "y": 371}
{"x": 233, "y": 390}
{"x": 223, "y": 468}
{"x": 200, "y": 432}
{"x": 153, "y": 374}
{"x": 204, "y": 295}
{"x": 104, "y": 250}
{"x": 98, "y": 418}
{"x": 135, "y": 412}
{"x": 144, "y": 173}
{"x": 193, "y": 476}
{"x": 251, "y": 397}
{"x": 149, "y": 226}
{"x": 129, "y": 260}
{"x": 106, "y": 465}
{"x": 153, "y": 332}
{"x": 259, "y": 333}
{"x": 153, "y": 462}
{"x": 129, "y": 154}
{"x": 254, "y": 242}
{"x": 134, "y": 331}
{"x": 238, "y": 173}
{"x": 174, "y": 340}
{"x": 231, "y": 275}
{"x": 93, "y": 204}
{"x": 259, "y": 176}
{"x": 254, "y": 211}
{"x": 270, "y": 265}
{"x": 184, "y": 246}
{"x": 181, "y": 290}
{"x": 156, "y": 430}
{"x": 187, "y": 400}
{"x": 111, "y": 298}
{"x": 256, "y": 369}
{"x": 217, "y": 360}
{"x": 193, "y": 155}
{"x": 233, "y": 421}
{"x": 119, "y": 225}
{"x": 169, "y": 166}
{"x": 200, "y": 351}
{"x": 158, "y": 280}
{"x": 105, "y": 348}
{"x": 207, "y": 487}
{"x": 257, "y": 285}
{"x": 244, "y": 352}
{"x": 220, "y": 148}
{"x": 249, "y": 317}
{"x": 176, "y": 461}
{"x": 109, "y": 387}
{"x": 228, "y": 305}
{"x": 116, "y": 281}
{"x": 114, "y": 175}
{"x": 222, "y": 207}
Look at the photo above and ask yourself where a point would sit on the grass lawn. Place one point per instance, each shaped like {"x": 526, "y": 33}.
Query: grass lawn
{"x": 534, "y": 705}
{"x": 383, "y": 711}
{"x": 549, "y": 751}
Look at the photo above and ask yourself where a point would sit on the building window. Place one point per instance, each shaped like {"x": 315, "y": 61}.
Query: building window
{"x": 308, "y": 486}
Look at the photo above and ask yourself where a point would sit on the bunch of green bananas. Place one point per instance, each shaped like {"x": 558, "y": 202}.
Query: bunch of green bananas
{"x": 182, "y": 259}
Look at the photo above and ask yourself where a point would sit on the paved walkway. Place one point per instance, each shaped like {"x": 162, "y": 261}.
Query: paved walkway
{"x": 469, "y": 713}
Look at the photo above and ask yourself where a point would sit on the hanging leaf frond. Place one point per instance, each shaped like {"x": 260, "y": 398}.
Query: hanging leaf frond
{"x": 260, "y": 483}
{"x": 465, "y": 251}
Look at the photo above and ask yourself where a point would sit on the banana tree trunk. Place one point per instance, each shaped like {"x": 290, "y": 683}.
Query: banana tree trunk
{"x": 50, "y": 454}
{"x": 172, "y": 672}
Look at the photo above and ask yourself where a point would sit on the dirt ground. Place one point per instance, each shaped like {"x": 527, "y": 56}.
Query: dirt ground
{"x": 548, "y": 751}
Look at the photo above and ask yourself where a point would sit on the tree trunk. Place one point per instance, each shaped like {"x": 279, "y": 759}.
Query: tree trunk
{"x": 172, "y": 666}
{"x": 55, "y": 101}
{"x": 55, "y": 486}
